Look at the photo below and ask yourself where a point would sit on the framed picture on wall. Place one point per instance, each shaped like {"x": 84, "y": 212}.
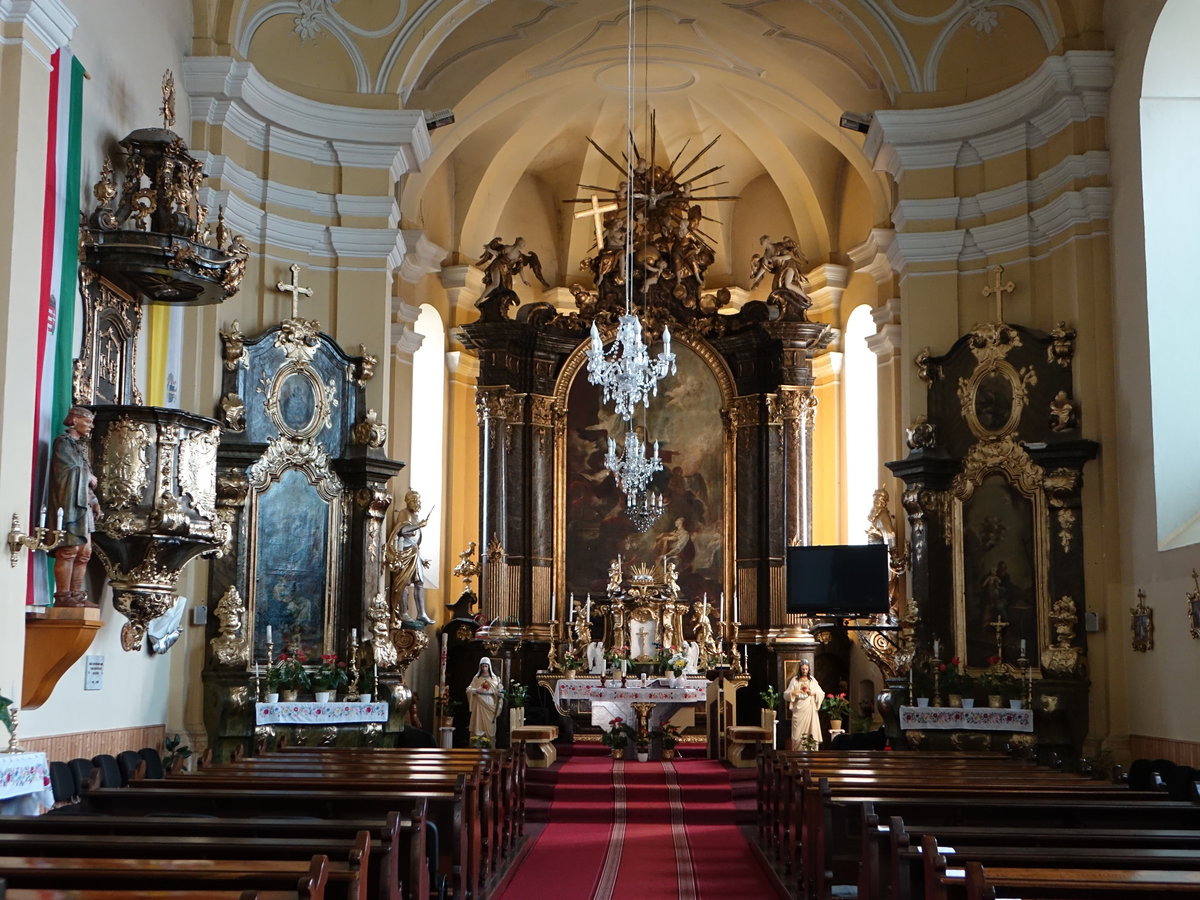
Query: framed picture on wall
{"x": 1141, "y": 625}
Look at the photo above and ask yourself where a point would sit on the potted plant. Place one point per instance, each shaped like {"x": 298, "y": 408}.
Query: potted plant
{"x": 570, "y": 664}
{"x": 329, "y": 676}
{"x": 365, "y": 685}
{"x": 669, "y": 736}
{"x": 617, "y": 737}
{"x": 5, "y": 715}
{"x": 450, "y": 708}
{"x": 482, "y": 741}
{"x": 955, "y": 682}
{"x": 770, "y": 699}
{"x": 676, "y": 663}
{"x": 641, "y": 742}
{"x": 289, "y": 676}
{"x": 837, "y": 706}
{"x": 516, "y": 695}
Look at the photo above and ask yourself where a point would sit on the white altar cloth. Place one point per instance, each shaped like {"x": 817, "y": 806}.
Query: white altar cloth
{"x": 952, "y": 718}
{"x": 611, "y": 701}
{"x": 339, "y": 713}
{"x": 24, "y": 784}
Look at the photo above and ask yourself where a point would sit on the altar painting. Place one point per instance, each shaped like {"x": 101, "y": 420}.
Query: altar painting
{"x": 291, "y": 565}
{"x": 999, "y": 572}
{"x": 685, "y": 419}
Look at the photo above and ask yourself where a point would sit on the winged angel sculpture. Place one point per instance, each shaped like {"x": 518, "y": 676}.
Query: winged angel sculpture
{"x": 500, "y": 262}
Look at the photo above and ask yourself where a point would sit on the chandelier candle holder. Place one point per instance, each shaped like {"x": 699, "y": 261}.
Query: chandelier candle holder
{"x": 643, "y": 509}
{"x": 632, "y": 469}
{"x": 627, "y": 375}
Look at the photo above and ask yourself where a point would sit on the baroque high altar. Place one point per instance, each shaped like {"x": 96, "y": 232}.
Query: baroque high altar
{"x": 735, "y": 425}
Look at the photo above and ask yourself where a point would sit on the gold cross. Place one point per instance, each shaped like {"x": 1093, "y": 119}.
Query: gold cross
{"x": 998, "y": 289}
{"x": 295, "y": 290}
{"x": 596, "y": 211}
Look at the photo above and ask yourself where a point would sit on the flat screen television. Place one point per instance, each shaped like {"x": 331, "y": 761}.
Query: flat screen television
{"x": 837, "y": 580}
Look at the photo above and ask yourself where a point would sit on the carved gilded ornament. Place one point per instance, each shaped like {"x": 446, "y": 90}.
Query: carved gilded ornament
{"x": 323, "y": 398}
{"x": 495, "y": 550}
{"x": 1141, "y": 625}
{"x": 993, "y": 397}
{"x": 924, "y": 363}
{"x": 370, "y": 432}
{"x": 921, "y": 435}
{"x": 197, "y": 471}
{"x": 379, "y": 618}
{"x": 233, "y": 347}
{"x": 125, "y": 463}
{"x": 993, "y": 341}
{"x": 1062, "y": 345}
{"x": 1066, "y": 522}
{"x": 285, "y": 453}
{"x": 365, "y": 367}
{"x": 808, "y": 408}
{"x": 229, "y": 647}
{"x": 1005, "y": 455}
{"x": 408, "y": 644}
{"x": 747, "y": 411}
{"x": 142, "y": 594}
{"x": 233, "y": 413}
{"x": 298, "y": 338}
{"x": 1062, "y": 413}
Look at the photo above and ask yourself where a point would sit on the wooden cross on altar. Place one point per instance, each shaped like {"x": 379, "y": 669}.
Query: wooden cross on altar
{"x": 295, "y": 290}
{"x": 596, "y": 211}
{"x": 998, "y": 289}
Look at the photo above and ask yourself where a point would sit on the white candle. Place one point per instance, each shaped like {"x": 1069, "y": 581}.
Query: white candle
{"x": 735, "y": 607}
{"x": 553, "y": 606}
{"x": 354, "y": 635}
{"x": 722, "y": 602}
{"x": 268, "y": 634}
{"x": 571, "y": 607}
{"x": 1022, "y": 646}
{"x": 587, "y": 609}
{"x": 257, "y": 671}
{"x": 42, "y": 520}
{"x": 935, "y": 647}
{"x": 60, "y": 518}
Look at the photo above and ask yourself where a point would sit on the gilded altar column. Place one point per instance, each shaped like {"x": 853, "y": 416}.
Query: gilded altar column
{"x": 491, "y": 405}
{"x": 544, "y": 420}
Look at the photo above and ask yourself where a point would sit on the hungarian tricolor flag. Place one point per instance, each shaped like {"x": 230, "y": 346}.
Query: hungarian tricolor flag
{"x": 58, "y": 298}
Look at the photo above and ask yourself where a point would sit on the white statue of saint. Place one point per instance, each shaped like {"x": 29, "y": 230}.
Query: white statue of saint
{"x": 595, "y": 657}
{"x": 693, "y": 659}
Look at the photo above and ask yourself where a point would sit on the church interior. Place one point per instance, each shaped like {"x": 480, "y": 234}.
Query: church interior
{"x": 744, "y": 383}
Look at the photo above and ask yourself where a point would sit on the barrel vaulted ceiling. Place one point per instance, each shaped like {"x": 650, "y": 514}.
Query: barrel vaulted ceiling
{"x": 530, "y": 80}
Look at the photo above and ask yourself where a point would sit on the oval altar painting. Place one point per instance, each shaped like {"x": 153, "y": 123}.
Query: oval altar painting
{"x": 297, "y": 402}
{"x": 994, "y": 401}
{"x": 685, "y": 418}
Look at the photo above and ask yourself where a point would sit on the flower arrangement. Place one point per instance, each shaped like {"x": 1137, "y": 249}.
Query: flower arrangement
{"x": 996, "y": 681}
{"x": 617, "y": 736}
{"x": 641, "y": 738}
{"x": 837, "y": 705}
{"x": 677, "y": 661}
{"x": 330, "y": 674}
{"x": 516, "y": 695}
{"x": 482, "y": 741}
{"x": 288, "y": 674}
{"x": 954, "y": 679}
{"x": 770, "y": 697}
{"x": 569, "y": 661}
{"x": 669, "y": 735}
{"x": 5, "y": 715}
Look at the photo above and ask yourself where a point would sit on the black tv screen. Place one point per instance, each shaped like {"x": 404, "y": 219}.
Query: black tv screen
{"x": 837, "y": 580}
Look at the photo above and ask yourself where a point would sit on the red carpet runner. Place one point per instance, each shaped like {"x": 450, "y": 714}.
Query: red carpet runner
{"x": 639, "y": 830}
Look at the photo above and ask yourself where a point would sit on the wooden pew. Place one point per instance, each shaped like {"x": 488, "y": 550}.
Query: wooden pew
{"x": 478, "y": 812}
{"x": 315, "y": 880}
{"x": 447, "y": 805}
{"x": 981, "y": 883}
{"x": 128, "y": 894}
{"x": 403, "y": 859}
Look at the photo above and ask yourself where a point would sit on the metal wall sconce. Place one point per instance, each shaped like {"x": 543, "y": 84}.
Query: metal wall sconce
{"x": 42, "y": 538}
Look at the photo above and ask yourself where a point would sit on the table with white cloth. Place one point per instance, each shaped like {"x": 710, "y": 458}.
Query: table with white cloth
{"x": 319, "y": 722}
{"x": 24, "y": 784}
{"x": 650, "y": 705}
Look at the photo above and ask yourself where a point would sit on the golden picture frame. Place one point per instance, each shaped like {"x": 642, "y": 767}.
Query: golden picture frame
{"x": 1141, "y": 625}
{"x": 1193, "y": 607}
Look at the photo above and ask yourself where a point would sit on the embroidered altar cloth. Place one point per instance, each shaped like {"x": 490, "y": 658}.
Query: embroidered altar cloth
{"x": 653, "y": 692}
{"x": 340, "y": 713}
{"x": 24, "y": 783}
{"x": 979, "y": 718}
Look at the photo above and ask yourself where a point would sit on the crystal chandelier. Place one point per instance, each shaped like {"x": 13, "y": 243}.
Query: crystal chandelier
{"x": 627, "y": 374}
{"x": 632, "y": 469}
{"x": 644, "y": 509}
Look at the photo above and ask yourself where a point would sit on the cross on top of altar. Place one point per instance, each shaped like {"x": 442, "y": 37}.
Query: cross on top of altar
{"x": 294, "y": 289}
{"x": 999, "y": 289}
{"x": 596, "y": 211}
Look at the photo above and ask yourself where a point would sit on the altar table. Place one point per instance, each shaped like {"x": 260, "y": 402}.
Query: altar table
{"x": 304, "y": 713}
{"x": 24, "y": 784}
{"x": 650, "y": 704}
{"x": 953, "y": 718}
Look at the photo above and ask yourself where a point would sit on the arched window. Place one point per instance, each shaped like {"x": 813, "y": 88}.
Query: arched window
{"x": 426, "y": 472}
{"x": 1170, "y": 132}
{"x": 860, "y": 377}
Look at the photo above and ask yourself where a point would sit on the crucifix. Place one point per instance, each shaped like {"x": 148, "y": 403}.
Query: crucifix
{"x": 295, "y": 290}
{"x": 596, "y": 211}
{"x": 999, "y": 626}
{"x": 998, "y": 289}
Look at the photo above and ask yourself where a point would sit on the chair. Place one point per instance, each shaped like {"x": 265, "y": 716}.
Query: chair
{"x": 82, "y": 770}
{"x": 128, "y": 762}
{"x": 110, "y": 772}
{"x": 62, "y": 783}
{"x": 154, "y": 766}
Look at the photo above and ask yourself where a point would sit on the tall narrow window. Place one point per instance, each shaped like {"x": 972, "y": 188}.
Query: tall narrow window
{"x": 426, "y": 457}
{"x": 1170, "y": 120}
{"x": 860, "y": 376}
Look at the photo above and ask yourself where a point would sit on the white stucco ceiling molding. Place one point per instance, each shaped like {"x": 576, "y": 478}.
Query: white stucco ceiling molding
{"x": 233, "y": 95}
{"x": 885, "y": 342}
{"x": 968, "y": 14}
{"x": 865, "y": 35}
{"x": 826, "y": 284}
{"x": 423, "y": 256}
{"x": 47, "y": 20}
{"x": 871, "y": 256}
{"x": 1069, "y": 88}
{"x": 404, "y": 340}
